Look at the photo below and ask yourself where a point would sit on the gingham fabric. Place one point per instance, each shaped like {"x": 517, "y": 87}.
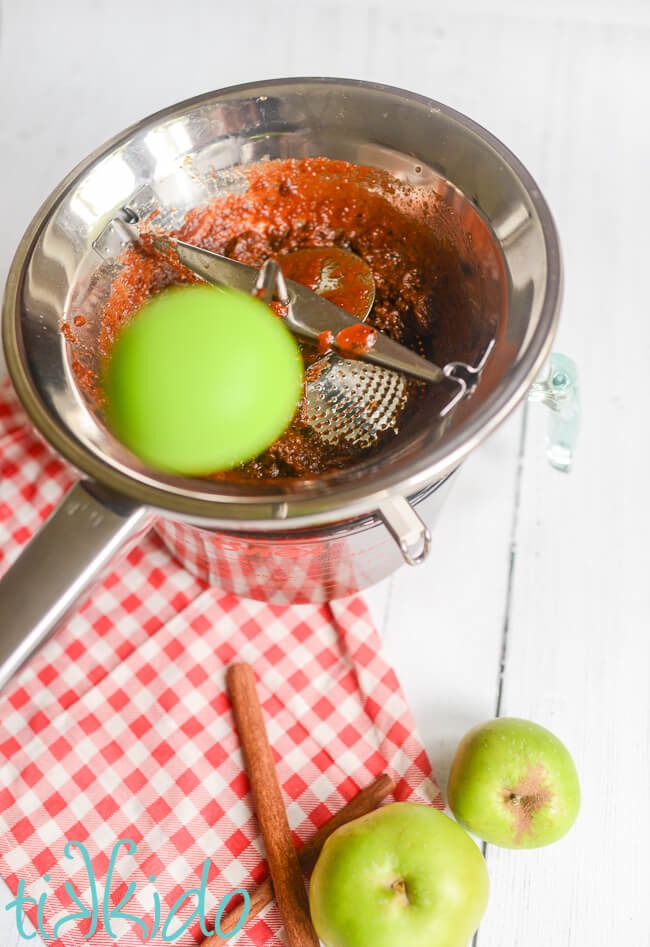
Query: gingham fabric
{"x": 120, "y": 728}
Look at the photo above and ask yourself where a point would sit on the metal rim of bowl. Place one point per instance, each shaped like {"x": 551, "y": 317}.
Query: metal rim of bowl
{"x": 290, "y": 509}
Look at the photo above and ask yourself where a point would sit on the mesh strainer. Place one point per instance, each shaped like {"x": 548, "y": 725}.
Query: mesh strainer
{"x": 353, "y": 401}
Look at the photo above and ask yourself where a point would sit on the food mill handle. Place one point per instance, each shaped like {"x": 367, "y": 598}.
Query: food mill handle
{"x": 58, "y": 565}
{"x": 407, "y": 529}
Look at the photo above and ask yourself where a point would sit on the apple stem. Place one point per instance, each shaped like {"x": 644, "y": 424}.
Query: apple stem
{"x": 399, "y": 887}
{"x": 514, "y": 799}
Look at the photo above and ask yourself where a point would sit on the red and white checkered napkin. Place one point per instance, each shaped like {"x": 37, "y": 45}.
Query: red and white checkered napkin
{"x": 120, "y": 727}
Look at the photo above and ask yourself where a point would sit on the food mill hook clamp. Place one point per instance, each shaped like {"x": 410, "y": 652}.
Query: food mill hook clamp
{"x": 467, "y": 377}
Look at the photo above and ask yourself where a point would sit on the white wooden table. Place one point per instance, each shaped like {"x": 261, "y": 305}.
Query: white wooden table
{"x": 536, "y": 599}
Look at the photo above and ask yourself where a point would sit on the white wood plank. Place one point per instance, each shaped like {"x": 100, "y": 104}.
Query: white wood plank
{"x": 578, "y": 652}
{"x": 444, "y": 620}
{"x": 624, "y": 12}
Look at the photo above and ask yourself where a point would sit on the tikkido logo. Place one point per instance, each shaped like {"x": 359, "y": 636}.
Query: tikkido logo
{"x": 102, "y": 911}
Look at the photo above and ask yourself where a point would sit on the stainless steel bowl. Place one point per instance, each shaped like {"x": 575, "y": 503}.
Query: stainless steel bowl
{"x": 504, "y": 235}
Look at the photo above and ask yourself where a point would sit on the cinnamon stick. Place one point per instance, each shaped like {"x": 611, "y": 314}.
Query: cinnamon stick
{"x": 365, "y": 801}
{"x": 288, "y": 882}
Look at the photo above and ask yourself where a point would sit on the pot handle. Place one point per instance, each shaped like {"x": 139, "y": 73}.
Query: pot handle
{"x": 407, "y": 529}
{"x": 557, "y": 388}
{"x": 68, "y": 553}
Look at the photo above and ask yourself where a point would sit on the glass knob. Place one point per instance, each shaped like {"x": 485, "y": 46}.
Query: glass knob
{"x": 557, "y": 388}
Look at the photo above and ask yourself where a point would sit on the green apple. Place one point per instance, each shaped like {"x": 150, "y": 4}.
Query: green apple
{"x": 514, "y": 784}
{"x": 403, "y": 876}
